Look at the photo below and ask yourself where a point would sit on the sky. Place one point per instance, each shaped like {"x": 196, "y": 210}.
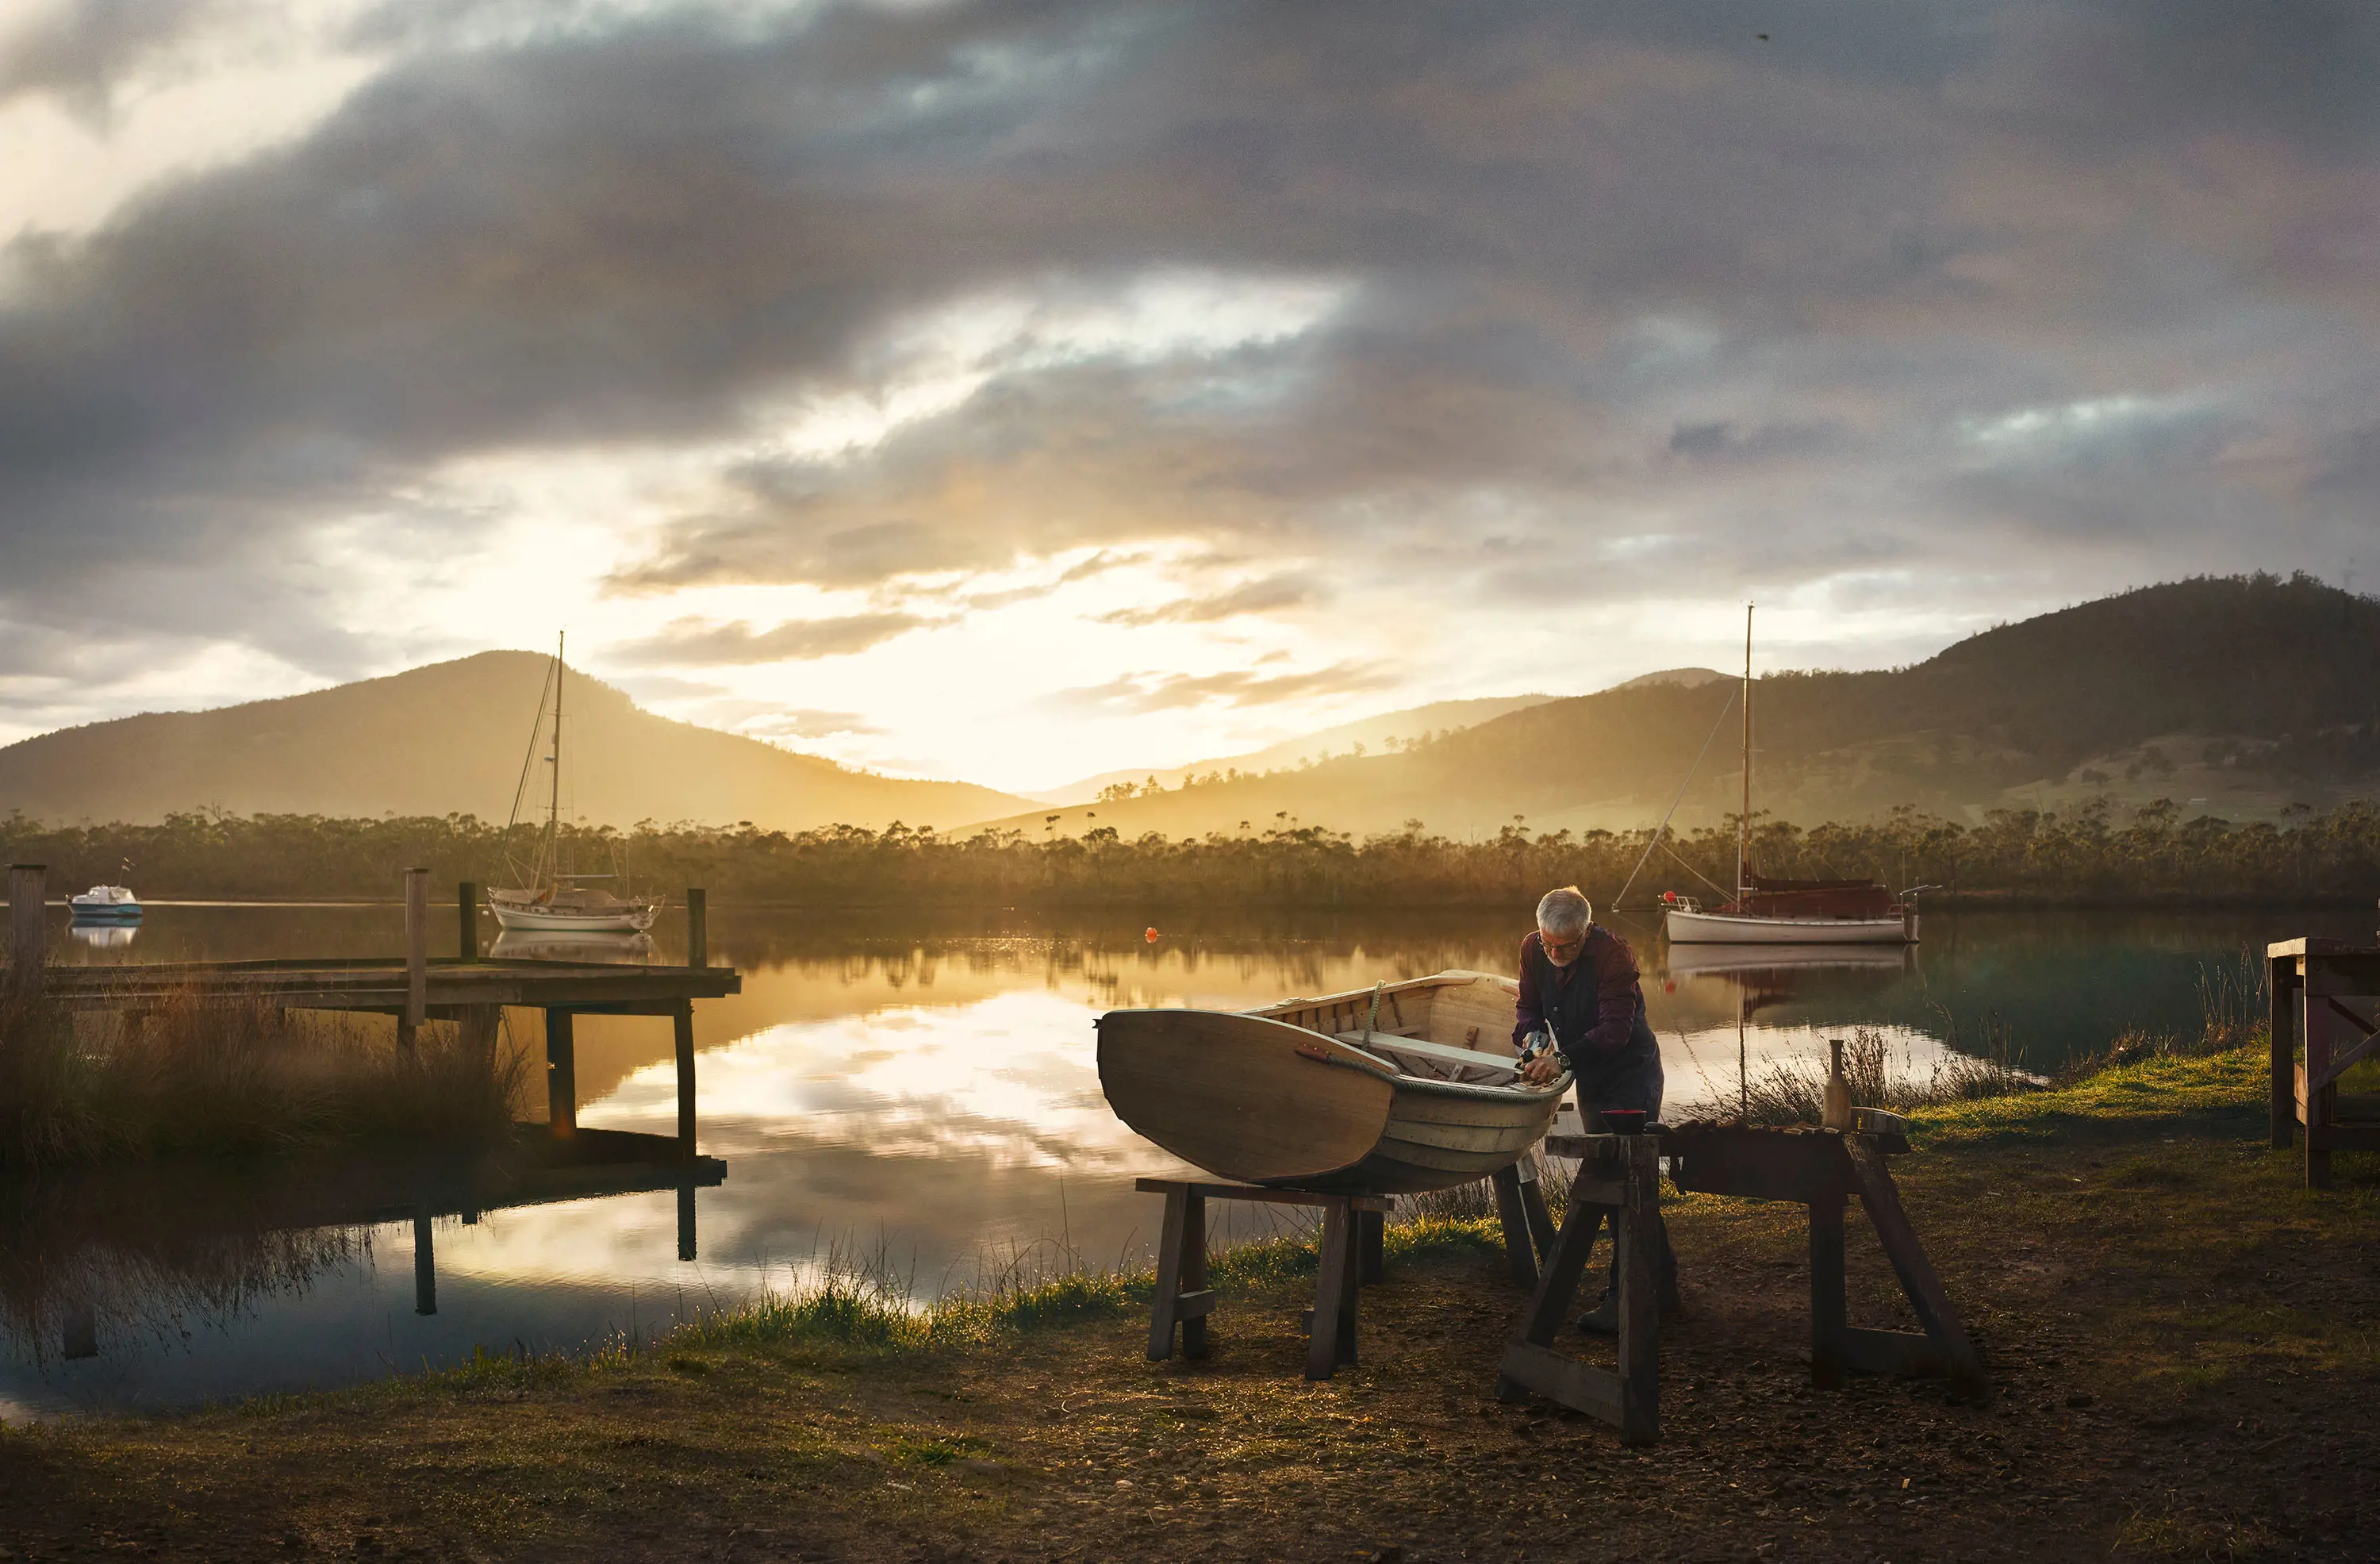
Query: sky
{"x": 1011, "y": 391}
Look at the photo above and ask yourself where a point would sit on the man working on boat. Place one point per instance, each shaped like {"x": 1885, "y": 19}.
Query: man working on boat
{"x": 1578, "y": 981}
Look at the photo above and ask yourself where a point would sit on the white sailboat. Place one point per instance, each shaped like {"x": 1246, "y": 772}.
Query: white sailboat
{"x": 549, "y": 898}
{"x": 1765, "y": 911}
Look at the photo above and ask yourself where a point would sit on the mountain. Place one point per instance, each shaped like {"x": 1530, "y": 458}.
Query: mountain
{"x": 2235, "y": 696}
{"x": 1371, "y": 733}
{"x": 450, "y": 738}
{"x": 1692, "y": 679}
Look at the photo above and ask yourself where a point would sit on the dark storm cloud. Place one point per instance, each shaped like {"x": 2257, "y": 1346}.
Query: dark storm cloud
{"x": 1600, "y": 264}
{"x": 696, "y": 643}
{"x": 81, "y": 49}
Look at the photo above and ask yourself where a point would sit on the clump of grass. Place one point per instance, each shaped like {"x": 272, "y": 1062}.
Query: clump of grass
{"x": 2233, "y": 1008}
{"x": 196, "y": 1075}
{"x": 1793, "y": 1090}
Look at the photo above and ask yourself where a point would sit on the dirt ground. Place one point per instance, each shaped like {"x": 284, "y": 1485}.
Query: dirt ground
{"x": 2183, "y": 1347}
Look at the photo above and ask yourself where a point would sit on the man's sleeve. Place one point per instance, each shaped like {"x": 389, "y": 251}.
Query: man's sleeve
{"x": 1526, "y": 1017}
{"x": 1616, "y": 995}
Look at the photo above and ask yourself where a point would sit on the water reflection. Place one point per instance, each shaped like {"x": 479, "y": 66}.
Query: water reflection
{"x": 924, "y": 1091}
{"x": 114, "y": 937}
{"x": 590, "y": 945}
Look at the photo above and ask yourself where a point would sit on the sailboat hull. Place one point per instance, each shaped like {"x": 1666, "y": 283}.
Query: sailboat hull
{"x": 1735, "y": 928}
{"x": 551, "y": 920}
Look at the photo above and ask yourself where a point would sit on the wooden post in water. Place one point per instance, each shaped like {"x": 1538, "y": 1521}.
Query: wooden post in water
{"x": 698, "y": 927}
{"x": 467, "y": 919}
{"x": 417, "y": 956}
{"x": 561, "y": 1075}
{"x": 682, "y": 1022}
{"x": 425, "y": 1264}
{"x": 29, "y": 891}
{"x": 685, "y": 1218}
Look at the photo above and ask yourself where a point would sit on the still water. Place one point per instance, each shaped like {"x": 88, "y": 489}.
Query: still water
{"x": 924, "y": 1097}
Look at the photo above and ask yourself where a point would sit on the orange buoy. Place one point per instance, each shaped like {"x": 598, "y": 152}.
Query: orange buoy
{"x": 1150, "y": 935}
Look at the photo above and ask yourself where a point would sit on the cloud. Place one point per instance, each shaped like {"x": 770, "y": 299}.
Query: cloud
{"x": 808, "y": 724}
{"x": 698, "y": 643}
{"x": 1268, "y": 594}
{"x": 1452, "y": 298}
{"x": 1143, "y": 692}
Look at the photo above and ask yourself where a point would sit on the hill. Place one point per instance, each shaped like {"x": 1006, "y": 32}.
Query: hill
{"x": 449, "y": 738}
{"x": 2236, "y": 696}
{"x": 1369, "y": 733}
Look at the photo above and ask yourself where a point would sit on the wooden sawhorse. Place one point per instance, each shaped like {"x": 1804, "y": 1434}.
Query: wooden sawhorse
{"x": 1618, "y": 1178}
{"x": 1824, "y": 1169}
{"x": 1353, "y": 1239}
{"x": 2312, "y": 980}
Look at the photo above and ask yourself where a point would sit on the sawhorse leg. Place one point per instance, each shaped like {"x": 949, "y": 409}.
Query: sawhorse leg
{"x": 1338, "y": 1286}
{"x": 1182, "y": 1294}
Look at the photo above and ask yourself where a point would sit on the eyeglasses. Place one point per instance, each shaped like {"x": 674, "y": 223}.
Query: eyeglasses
{"x": 1559, "y": 947}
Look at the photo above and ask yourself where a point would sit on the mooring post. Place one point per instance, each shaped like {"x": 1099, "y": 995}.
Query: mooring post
{"x": 467, "y": 919}
{"x": 682, "y": 1022}
{"x": 29, "y": 891}
{"x": 561, "y": 1076}
{"x": 417, "y": 955}
{"x": 425, "y": 1264}
{"x": 698, "y": 927}
{"x": 685, "y": 1218}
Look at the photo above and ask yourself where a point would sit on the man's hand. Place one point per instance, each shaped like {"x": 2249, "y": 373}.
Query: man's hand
{"x": 1542, "y": 1069}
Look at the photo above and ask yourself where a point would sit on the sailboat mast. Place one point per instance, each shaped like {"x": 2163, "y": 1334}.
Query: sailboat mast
{"x": 553, "y": 804}
{"x": 1743, "y": 821}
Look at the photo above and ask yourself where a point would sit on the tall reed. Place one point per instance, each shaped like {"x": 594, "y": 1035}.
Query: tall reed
{"x": 200, "y": 1075}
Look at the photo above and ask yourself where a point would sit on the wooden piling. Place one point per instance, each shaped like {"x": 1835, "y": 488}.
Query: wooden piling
{"x": 685, "y": 1248}
{"x": 425, "y": 1264}
{"x": 682, "y": 1021}
{"x": 698, "y": 927}
{"x": 561, "y": 1075}
{"x": 29, "y": 891}
{"x": 417, "y": 955}
{"x": 467, "y": 919}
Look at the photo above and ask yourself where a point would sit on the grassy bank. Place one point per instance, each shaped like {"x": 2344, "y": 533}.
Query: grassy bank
{"x": 197, "y": 1077}
{"x": 2178, "y": 1338}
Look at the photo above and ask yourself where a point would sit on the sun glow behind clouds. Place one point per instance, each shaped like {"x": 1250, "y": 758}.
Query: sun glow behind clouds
{"x": 964, "y": 691}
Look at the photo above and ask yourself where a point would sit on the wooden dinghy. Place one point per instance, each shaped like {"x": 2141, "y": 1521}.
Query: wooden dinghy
{"x": 1302, "y": 1092}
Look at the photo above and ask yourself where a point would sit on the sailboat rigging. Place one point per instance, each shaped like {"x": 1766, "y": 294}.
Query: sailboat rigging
{"x": 546, "y": 895}
{"x": 1767, "y": 910}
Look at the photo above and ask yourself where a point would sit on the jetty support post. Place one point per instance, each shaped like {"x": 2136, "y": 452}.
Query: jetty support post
{"x": 682, "y": 1022}
{"x": 685, "y": 1218}
{"x": 467, "y": 919}
{"x": 29, "y": 889}
{"x": 417, "y": 956}
{"x": 697, "y": 926}
{"x": 425, "y": 1263}
{"x": 561, "y": 1075}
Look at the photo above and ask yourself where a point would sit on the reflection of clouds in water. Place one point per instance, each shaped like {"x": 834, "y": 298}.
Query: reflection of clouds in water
{"x": 1011, "y": 1080}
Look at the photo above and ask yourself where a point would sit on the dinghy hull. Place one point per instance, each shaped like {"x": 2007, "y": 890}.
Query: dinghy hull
{"x": 1281, "y": 1096}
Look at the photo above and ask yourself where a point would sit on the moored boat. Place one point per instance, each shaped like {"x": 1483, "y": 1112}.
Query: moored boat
{"x": 1773, "y": 911}
{"x": 549, "y": 898}
{"x": 1395, "y": 1090}
{"x": 106, "y": 904}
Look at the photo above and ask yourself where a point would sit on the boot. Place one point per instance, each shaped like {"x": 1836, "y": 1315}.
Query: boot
{"x": 1604, "y": 1318}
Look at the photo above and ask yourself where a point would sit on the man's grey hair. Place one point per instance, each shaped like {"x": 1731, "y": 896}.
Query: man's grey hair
{"x": 1565, "y": 913}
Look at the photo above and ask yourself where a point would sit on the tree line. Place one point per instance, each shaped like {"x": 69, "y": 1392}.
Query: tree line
{"x": 2093, "y": 852}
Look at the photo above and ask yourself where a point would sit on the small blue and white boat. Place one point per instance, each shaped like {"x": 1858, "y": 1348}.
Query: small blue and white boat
{"x": 106, "y": 904}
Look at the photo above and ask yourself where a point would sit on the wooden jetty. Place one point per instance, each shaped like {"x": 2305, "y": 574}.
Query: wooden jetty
{"x": 2320, "y": 990}
{"x": 469, "y": 988}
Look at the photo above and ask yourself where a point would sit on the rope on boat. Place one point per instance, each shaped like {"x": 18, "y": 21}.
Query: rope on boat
{"x": 1617, "y": 901}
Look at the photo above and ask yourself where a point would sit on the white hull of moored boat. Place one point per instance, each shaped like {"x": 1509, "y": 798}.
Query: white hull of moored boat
{"x": 1735, "y": 928}
{"x": 549, "y": 920}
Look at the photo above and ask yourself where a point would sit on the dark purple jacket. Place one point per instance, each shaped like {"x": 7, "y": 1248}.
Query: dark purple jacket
{"x": 1592, "y": 1002}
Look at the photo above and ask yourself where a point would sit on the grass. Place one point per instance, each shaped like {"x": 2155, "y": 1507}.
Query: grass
{"x": 199, "y": 1076}
{"x": 2171, "y": 1324}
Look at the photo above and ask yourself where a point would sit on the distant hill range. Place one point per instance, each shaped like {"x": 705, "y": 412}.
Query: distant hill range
{"x": 2237, "y": 697}
{"x": 1371, "y": 733}
{"x": 451, "y": 738}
